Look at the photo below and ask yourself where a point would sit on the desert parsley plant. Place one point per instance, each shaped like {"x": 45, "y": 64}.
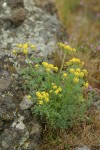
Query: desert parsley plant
{"x": 57, "y": 93}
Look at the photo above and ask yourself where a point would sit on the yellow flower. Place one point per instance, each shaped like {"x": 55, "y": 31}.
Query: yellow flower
{"x": 33, "y": 46}
{"x": 74, "y": 49}
{"x": 78, "y": 70}
{"x": 58, "y": 90}
{"x": 53, "y": 83}
{"x": 49, "y": 66}
{"x": 36, "y": 65}
{"x": 82, "y": 63}
{"x": 14, "y": 52}
{"x": 56, "y": 68}
{"x": 46, "y": 99}
{"x": 29, "y": 97}
{"x": 45, "y": 64}
{"x": 43, "y": 96}
{"x": 40, "y": 102}
{"x": 24, "y": 46}
{"x": 54, "y": 87}
{"x": 38, "y": 94}
{"x": 48, "y": 69}
{"x": 75, "y": 60}
{"x": 81, "y": 74}
{"x": 77, "y": 74}
{"x": 72, "y": 70}
{"x": 65, "y": 75}
{"x": 76, "y": 80}
{"x": 85, "y": 72}
{"x": 25, "y": 51}
{"x": 66, "y": 47}
{"x": 86, "y": 85}
{"x": 50, "y": 91}
{"x": 19, "y": 45}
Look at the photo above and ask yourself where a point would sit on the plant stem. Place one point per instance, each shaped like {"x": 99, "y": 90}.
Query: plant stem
{"x": 63, "y": 62}
{"x": 29, "y": 62}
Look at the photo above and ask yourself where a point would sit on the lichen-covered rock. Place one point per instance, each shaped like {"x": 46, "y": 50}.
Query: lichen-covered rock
{"x": 39, "y": 27}
{"x": 19, "y": 129}
{"x": 18, "y": 16}
{"x": 26, "y": 103}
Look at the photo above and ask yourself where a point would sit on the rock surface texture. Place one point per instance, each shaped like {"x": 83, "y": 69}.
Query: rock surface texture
{"x": 19, "y": 129}
{"x": 22, "y": 21}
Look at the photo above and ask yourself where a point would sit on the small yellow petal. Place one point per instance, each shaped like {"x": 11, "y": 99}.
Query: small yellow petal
{"x": 76, "y": 80}
{"x": 40, "y": 102}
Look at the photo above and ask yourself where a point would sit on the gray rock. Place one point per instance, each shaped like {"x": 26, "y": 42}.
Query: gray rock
{"x": 39, "y": 27}
{"x": 20, "y": 126}
{"x": 26, "y": 103}
{"x": 5, "y": 83}
{"x": 7, "y": 107}
{"x": 18, "y": 16}
{"x": 5, "y": 145}
{"x": 18, "y": 129}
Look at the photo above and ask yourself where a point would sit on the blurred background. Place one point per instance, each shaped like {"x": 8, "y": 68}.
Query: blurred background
{"x": 81, "y": 19}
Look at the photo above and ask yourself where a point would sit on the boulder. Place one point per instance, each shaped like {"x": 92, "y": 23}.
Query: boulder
{"x": 18, "y": 16}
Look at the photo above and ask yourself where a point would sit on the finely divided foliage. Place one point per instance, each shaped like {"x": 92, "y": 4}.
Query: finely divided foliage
{"x": 57, "y": 93}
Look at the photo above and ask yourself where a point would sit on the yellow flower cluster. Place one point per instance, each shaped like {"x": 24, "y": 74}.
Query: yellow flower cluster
{"x": 42, "y": 96}
{"x": 36, "y": 66}
{"x": 71, "y": 70}
{"x": 14, "y": 51}
{"x": 78, "y": 72}
{"x": 49, "y": 66}
{"x": 29, "y": 97}
{"x": 26, "y": 45}
{"x": 86, "y": 84}
{"x": 76, "y": 80}
{"x": 74, "y": 60}
{"x": 85, "y": 72}
{"x": 66, "y": 47}
{"x": 65, "y": 75}
{"x": 57, "y": 89}
{"x": 25, "y": 51}
{"x": 24, "y": 48}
